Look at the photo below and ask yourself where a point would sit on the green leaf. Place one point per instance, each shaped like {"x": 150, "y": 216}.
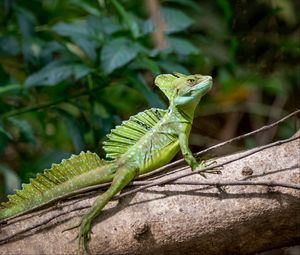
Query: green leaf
{"x": 189, "y": 3}
{"x": 106, "y": 25}
{"x": 225, "y": 6}
{"x": 56, "y": 72}
{"x": 287, "y": 131}
{"x": 152, "y": 98}
{"x": 11, "y": 180}
{"x": 147, "y": 27}
{"x": 127, "y": 18}
{"x": 88, "y": 46}
{"x": 73, "y": 129}
{"x": 26, "y": 20}
{"x": 77, "y": 28}
{"x": 25, "y": 130}
{"x": 250, "y": 142}
{"x": 9, "y": 87}
{"x": 175, "y": 20}
{"x": 275, "y": 85}
{"x": 117, "y": 53}
{"x": 81, "y": 34}
{"x": 182, "y": 46}
{"x": 146, "y": 64}
{"x": 172, "y": 67}
{"x": 3, "y": 131}
{"x": 88, "y": 34}
{"x": 87, "y": 6}
{"x": 9, "y": 46}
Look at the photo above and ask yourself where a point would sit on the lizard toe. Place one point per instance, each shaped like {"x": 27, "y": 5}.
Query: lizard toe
{"x": 84, "y": 236}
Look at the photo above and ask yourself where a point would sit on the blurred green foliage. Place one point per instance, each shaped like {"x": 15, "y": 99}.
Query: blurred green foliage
{"x": 71, "y": 70}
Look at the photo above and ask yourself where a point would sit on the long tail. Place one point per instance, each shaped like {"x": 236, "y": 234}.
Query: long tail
{"x": 77, "y": 172}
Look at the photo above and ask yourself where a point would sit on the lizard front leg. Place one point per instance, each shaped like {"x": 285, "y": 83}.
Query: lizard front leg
{"x": 189, "y": 158}
{"x": 122, "y": 177}
{"x": 187, "y": 154}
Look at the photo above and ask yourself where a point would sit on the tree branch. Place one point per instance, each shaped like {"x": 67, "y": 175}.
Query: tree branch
{"x": 229, "y": 183}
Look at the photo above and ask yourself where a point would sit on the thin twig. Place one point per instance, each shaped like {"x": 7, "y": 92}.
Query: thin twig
{"x": 39, "y": 224}
{"x": 274, "y": 113}
{"x": 47, "y": 105}
{"x": 242, "y": 182}
{"x": 158, "y": 36}
{"x": 266, "y": 127}
{"x": 229, "y": 183}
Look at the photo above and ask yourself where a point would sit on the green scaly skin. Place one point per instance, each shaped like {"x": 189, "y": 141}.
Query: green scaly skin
{"x": 145, "y": 142}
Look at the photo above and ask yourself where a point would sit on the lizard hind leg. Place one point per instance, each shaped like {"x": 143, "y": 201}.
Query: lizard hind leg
{"x": 122, "y": 177}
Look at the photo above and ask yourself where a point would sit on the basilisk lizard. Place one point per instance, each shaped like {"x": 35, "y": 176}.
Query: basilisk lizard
{"x": 141, "y": 144}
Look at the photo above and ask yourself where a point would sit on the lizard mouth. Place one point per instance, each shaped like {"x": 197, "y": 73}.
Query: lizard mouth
{"x": 204, "y": 82}
{"x": 205, "y": 78}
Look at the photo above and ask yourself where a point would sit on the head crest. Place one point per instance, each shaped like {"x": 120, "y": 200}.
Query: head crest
{"x": 167, "y": 84}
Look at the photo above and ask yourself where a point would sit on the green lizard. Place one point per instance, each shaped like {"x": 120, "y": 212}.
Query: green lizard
{"x": 141, "y": 144}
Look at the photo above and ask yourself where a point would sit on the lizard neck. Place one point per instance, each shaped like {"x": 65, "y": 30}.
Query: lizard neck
{"x": 183, "y": 113}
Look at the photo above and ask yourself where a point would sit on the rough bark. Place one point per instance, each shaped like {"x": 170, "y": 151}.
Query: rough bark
{"x": 185, "y": 219}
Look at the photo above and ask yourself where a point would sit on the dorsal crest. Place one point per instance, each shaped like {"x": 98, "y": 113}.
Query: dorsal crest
{"x": 123, "y": 137}
{"x": 32, "y": 194}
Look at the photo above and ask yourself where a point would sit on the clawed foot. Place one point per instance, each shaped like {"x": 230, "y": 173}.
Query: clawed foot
{"x": 84, "y": 235}
{"x": 200, "y": 166}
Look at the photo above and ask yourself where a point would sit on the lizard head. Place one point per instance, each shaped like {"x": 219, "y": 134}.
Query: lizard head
{"x": 190, "y": 88}
{"x": 184, "y": 90}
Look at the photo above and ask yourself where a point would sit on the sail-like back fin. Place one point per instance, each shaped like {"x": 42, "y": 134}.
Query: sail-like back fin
{"x": 131, "y": 131}
{"x": 34, "y": 193}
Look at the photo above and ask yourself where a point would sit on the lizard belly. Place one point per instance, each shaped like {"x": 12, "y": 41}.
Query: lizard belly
{"x": 154, "y": 158}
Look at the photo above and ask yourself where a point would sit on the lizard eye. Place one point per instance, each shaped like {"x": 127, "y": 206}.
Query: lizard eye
{"x": 191, "y": 81}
